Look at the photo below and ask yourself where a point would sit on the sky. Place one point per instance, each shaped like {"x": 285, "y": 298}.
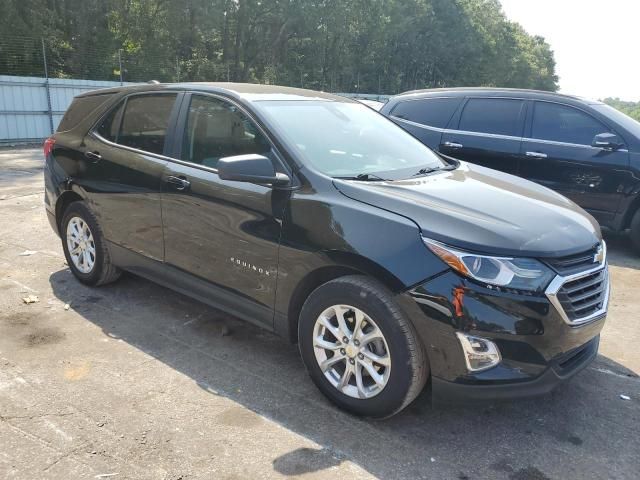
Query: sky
{"x": 595, "y": 43}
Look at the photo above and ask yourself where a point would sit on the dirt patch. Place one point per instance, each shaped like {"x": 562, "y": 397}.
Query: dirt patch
{"x": 19, "y": 319}
{"x": 43, "y": 336}
{"x": 77, "y": 372}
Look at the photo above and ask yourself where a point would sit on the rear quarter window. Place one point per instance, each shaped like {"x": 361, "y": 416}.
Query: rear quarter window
{"x": 79, "y": 109}
{"x": 433, "y": 112}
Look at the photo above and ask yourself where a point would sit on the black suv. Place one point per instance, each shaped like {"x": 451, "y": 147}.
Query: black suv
{"x": 586, "y": 150}
{"x": 315, "y": 217}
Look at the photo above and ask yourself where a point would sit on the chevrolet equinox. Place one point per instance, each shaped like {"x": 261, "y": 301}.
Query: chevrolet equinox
{"x": 315, "y": 217}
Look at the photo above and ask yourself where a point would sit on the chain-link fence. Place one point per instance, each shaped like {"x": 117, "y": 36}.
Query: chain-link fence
{"x": 40, "y": 57}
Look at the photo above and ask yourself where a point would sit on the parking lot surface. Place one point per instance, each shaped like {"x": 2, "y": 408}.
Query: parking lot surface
{"x": 135, "y": 381}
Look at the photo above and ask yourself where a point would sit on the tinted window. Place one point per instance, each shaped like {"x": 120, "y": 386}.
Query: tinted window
{"x": 498, "y": 116}
{"x": 434, "y": 112}
{"x": 564, "y": 124}
{"x": 216, "y": 129}
{"x": 145, "y": 122}
{"x": 79, "y": 109}
{"x": 108, "y": 128}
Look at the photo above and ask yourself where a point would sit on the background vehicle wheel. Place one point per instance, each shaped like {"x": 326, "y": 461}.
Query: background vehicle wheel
{"x": 635, "y": 231}
{"x": 359, "y": 348}
{"x": 84, "y": 247}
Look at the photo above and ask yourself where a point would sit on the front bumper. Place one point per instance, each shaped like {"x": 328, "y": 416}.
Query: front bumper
{"x": 539, "y": 348}
{"x": 452, "y": 392}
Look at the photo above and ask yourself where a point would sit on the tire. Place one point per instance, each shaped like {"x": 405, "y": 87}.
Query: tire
{"x": 635, "y": 231}
{"x": 378, "y": 395}
{"x": 101, "y": 271}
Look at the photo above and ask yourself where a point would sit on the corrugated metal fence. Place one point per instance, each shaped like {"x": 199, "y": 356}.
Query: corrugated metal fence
{"x": 32, "y": 107}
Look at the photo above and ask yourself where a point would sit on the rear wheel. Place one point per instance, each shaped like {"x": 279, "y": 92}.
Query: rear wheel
{"x": 359, "y": 348}
{"x": 84, "y": 247}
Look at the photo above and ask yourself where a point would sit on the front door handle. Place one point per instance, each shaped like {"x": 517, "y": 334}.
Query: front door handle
{"x": 179, "y": 183}
{"x": 536, "y": 154}
{"x": 452, "y": 144}
{"x": 93, "y": 157}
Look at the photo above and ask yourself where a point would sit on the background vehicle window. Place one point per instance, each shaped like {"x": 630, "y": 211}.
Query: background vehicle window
{"x": 145, "y": 122}
{"x": 216, "y": 129}
{"x": 434, "y": 112}
{"x": 108, "y": 128}
{"x": 565, "y": 124}
{"x": 499, "y": 116}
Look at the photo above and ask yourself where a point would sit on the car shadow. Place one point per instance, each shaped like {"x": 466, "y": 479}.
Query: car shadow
{"x": 264, "y": 373}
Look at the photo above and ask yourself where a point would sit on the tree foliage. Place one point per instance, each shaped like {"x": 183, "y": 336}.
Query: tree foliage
{"x": 383, "y": 46}
{"x": 630, "y": 108}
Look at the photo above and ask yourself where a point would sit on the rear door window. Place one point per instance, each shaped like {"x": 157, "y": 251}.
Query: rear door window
{"x": 145, "y": 122}
{"x": 562, "y": 123}
{"x": 498, "y": 116}
{"x": 433, "y": 112}
{"x": 216, "y": 129}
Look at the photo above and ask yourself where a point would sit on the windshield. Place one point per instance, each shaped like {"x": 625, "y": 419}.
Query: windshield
{"x": 628, "y": 123}
{"x": 348, "y": 139}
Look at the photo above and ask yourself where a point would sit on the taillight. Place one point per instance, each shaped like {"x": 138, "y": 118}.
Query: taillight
{"x": 48, "y": 146}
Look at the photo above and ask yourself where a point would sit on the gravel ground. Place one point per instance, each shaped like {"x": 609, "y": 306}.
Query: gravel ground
{"x": 135, "y": 381}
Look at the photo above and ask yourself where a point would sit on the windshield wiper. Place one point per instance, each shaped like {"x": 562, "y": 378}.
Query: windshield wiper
{"x": 365, "y": 177}
{"x": 427, "y": 171}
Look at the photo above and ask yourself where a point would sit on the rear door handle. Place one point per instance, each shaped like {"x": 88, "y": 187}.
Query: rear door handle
{"x": 536, "y": 154}
{"x": 179, "y": 183}
{"x": 452, "y": 144}
{"x": 93, "y": 157}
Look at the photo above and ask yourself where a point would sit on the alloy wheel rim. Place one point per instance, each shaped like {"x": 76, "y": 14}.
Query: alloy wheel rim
{"x": 351, "y": 351}
{"x": 81, "y": 246}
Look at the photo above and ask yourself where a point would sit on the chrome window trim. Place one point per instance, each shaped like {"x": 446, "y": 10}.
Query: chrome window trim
{"x": 565, "y": 144}
{"x": 420, "y": 125}
{"x": 462, "y": 132}
{"x": 558, "y": 282}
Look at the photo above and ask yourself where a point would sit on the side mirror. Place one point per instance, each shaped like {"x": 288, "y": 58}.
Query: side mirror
{"x": 607, "y": 141}
{"x": 251, "y": 168}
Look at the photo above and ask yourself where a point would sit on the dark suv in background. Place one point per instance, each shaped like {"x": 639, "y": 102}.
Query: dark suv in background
{"x": 585, "y": 150}
{"x": 313, "y": 216}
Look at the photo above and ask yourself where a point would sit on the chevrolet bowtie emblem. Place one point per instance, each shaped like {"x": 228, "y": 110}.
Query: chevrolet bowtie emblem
{"x": 599, "y": 255}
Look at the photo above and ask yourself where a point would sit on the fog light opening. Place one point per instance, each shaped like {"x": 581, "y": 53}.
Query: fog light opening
{"x": 479, "y": 353}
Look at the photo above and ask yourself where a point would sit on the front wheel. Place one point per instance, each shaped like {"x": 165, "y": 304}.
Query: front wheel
{"x": 360, "y": 349}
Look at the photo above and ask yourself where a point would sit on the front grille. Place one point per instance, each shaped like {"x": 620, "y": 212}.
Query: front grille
{"x": 571, "y": 264}
{"x": 584, "y": 296}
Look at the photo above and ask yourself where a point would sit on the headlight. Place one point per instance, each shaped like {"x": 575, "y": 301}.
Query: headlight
{"x": 516, "y": 273}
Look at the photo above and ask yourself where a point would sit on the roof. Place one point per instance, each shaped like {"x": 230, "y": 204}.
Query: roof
{"x": 491, "y": 91}
{"x": 246, "y": 91}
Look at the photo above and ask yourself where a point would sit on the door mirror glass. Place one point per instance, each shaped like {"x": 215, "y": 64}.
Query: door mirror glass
{"x": 251, "y": 168}
{"x": 607, "y": 141}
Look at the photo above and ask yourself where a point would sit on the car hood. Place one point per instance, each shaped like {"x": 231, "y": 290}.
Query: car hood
{"x": 483, "y": 210}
